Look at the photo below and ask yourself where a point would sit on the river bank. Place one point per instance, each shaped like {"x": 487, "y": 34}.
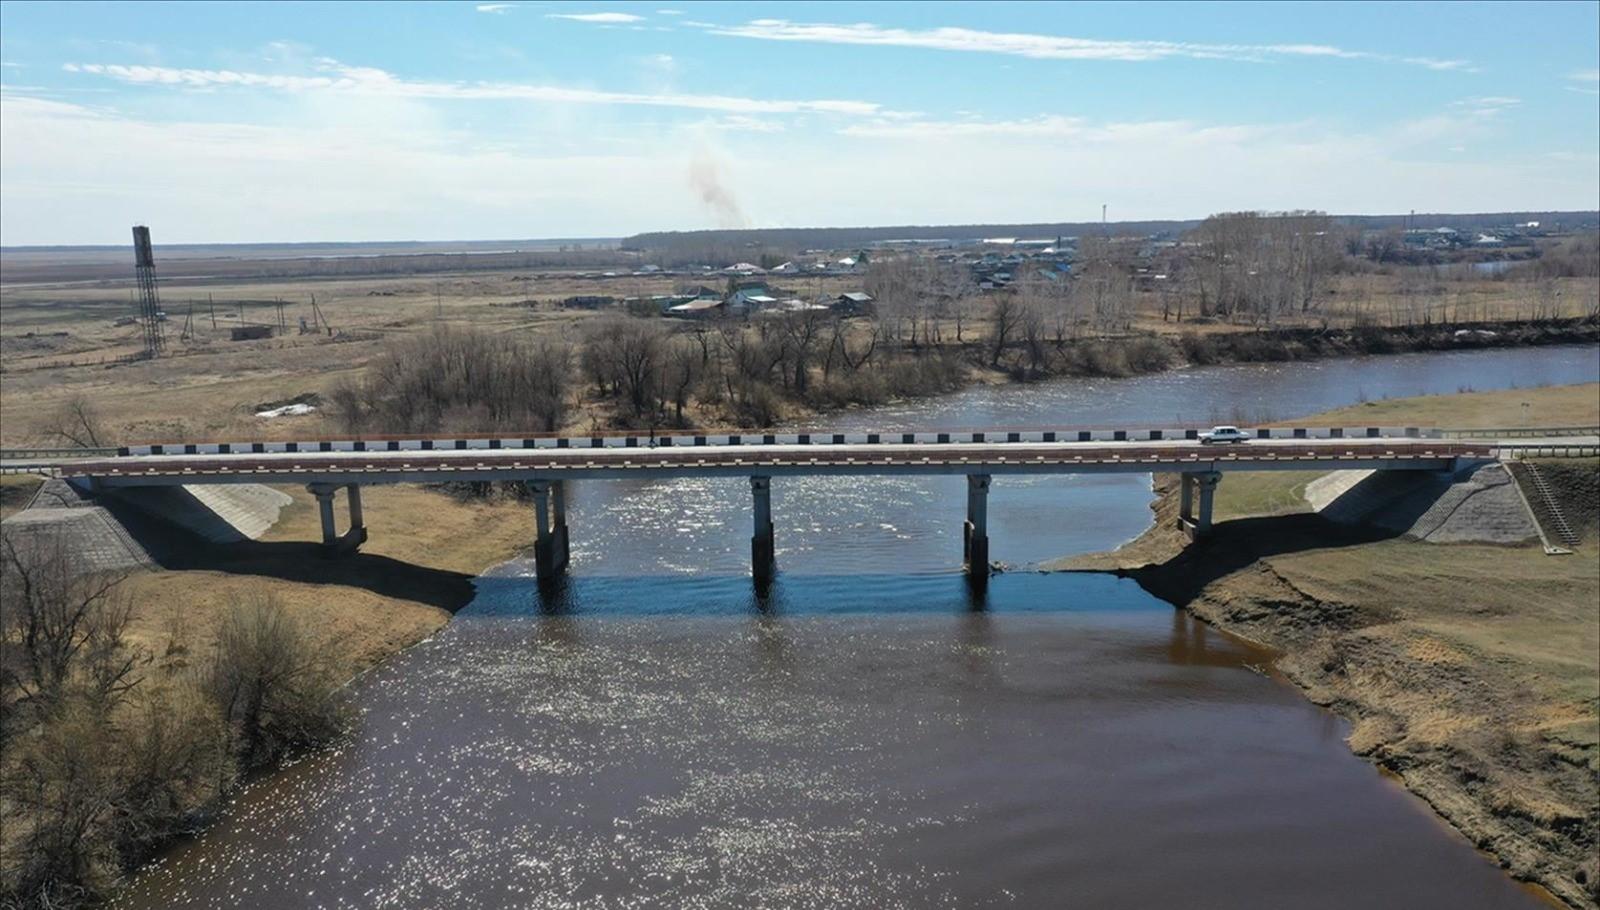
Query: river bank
{"x": 1468, "y": 670}
{"x": 153, "y": 758}
{"x": 425, "y": 546}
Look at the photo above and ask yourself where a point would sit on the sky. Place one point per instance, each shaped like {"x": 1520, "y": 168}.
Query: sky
{"x": 284, "y": 122}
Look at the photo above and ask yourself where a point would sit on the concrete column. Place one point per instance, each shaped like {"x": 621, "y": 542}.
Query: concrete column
{"x": 545, "y": 564}
{"x": 975, "y": 532}
{"x": 332, "y": 543}
{"x": 763, "y": 547}
{"x": 558, "y": 521}
{"x": 330, "y": 534}
{"x": 1208, "y": 490}
{"x": 1186, "y": 501}
{"x": 358, "y": 524}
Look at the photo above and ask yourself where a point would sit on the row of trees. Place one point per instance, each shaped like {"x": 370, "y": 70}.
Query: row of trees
{"x": 1263, "y": 266}
{"x": 453, "y": 378}
{"x": 105, "y": 754}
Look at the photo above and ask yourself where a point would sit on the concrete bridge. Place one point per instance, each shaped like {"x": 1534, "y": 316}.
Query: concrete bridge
{"x": 546, "y": 464}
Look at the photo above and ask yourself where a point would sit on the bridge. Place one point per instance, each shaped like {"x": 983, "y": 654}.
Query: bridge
{"x": 547, "y": 463}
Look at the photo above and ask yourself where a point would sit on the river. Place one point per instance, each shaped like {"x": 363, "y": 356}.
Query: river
{"x": 872, "y": 734}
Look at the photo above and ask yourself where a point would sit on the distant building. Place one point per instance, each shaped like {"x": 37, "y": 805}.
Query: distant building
{"x": 852, "y": 304}
{"x": 588, "y": 302}
{"x": 699, "y": 308}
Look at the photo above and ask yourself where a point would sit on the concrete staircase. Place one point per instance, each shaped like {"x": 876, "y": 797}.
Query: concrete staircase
{"x": 1558, "y": 519}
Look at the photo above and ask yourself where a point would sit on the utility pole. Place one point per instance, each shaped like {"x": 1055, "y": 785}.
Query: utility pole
{"x": 211, "y": 303}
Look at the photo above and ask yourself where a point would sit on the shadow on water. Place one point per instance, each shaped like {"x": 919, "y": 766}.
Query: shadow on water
{"x": 794, "y": 595}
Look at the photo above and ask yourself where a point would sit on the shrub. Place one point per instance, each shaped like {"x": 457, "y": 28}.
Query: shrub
{"x": 272, "y": 684}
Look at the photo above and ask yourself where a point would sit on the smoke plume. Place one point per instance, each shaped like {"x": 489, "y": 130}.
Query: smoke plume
{"x": 704, "y": 179}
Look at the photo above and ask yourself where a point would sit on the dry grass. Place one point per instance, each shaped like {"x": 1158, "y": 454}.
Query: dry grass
{"x": 416, "y": 569}
{"x": 15, "y": 491}
{"x": 1551, "y": 406}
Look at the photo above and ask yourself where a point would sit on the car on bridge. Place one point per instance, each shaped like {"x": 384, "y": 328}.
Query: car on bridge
{"x": 1222, "y": 435}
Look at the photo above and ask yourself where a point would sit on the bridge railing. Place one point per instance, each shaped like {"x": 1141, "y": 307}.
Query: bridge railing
{"x": 694, "y": 438}
{"x": 1515, "y": 432}
{"x": 46, "y": 454}
{"x": 1516, "y": 451}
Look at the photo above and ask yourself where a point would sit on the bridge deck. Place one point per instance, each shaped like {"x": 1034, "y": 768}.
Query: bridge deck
{"x": 747, "y": 459}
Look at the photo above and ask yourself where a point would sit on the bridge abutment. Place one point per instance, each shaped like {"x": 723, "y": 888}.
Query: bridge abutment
{"x": 763, "y": 543}
{"x": 333, "y": 544}
{"x": 975, "y": 530}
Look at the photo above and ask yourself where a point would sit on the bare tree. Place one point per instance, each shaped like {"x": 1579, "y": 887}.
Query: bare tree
{"x": 54, "y": 610}
{"x": 1004, "y": 316}
{"x": 76, "y": 422}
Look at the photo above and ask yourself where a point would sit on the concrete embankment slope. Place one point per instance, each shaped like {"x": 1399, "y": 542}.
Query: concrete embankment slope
{"x": 1476, "y": 505}
{"x": 119, "y": 532}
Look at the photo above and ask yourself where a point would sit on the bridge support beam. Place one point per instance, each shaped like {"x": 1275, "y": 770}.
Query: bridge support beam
{"x": 1197, "y": 524}
{"x": 550, "y": 541}
{"x": 975, "y": 531}
{"x": 333, "y": 543}
{"x": 763, "y": 543}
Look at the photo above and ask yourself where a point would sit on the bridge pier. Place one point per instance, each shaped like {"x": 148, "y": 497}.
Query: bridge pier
{"x": 333, "y": 544}
{"x": 763, "y": 543}
{"x": 550, "y": 542}
{"x": 975, "y": 531}
{"x": 1197, "y": 525}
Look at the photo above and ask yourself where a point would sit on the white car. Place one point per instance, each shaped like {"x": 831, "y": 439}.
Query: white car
{"x": 1220, "y": 435}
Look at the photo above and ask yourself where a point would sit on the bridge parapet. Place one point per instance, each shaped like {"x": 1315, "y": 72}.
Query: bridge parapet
{"x": 692, "y": 439}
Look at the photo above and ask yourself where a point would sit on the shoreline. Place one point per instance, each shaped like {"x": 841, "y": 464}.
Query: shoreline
{"x": 1423, "y": 649}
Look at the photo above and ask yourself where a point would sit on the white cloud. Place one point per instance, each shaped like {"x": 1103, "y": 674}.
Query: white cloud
{"x": 496, "y": 8}
{"x": 340, "y": 78}
{"x": 1049, "y": 47}
{"x": 744, "y": 124}
{"x": 72, "y": 172}
{"x": 1485, "y": 107}
{"x": 669, "y": 12}
{"x": 612, "y": 18}
{"x": 1585, "y": 76}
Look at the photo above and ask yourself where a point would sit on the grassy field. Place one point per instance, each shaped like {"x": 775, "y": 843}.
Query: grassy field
{"x": 1471, "y": 671}
{"x": 1553, "y": 406}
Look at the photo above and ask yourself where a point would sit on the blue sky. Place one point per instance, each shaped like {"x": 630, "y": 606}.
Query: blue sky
{"x": 371, "y": 121}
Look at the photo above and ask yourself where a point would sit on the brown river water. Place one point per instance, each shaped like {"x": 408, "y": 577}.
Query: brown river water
{"x": 872, "y": 734}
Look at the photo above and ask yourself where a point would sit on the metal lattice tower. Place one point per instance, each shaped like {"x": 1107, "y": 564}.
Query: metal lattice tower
{"x": 144, "y": 267}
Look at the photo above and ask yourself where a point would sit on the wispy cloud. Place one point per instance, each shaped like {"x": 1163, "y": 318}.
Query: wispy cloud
{"x": 669, "y": 12}
{"x": 496, "y": 8}
{"x": 1486, "y": 107}
{"x": 334, "y": 76}
{"x": 1051, "y": 47}
{"x": 1590, "y": 80}
{"x": 604, "y": 18}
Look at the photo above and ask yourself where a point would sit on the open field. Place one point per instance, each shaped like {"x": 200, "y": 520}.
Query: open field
{"x": 1470, "y": 671}
{"x": 58, "y": 341}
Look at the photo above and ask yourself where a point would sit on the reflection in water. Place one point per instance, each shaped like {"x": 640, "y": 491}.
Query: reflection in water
{"x": 873, "y": 733}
